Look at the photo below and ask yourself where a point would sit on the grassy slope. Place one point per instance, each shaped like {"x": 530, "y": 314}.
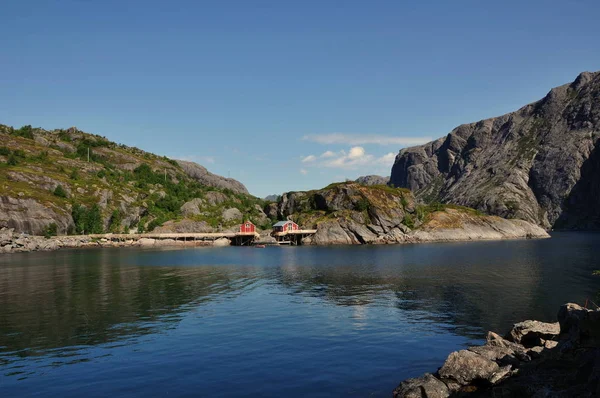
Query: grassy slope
{"x": 34, "y": 161}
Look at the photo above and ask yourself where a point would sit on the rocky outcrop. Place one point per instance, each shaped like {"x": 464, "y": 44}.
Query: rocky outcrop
{"x": 31, "y": 216}
{"x": 192, "y": 208}
{"x": 184, "y": 226}
{"x": 540, "y": 163}
{"x": 232, "y": 214}
{"x": 205, "y": 177}
{"x": 352, "y": 213}
{"x": 537, "y": 359}
{"x": 373, "y": 180}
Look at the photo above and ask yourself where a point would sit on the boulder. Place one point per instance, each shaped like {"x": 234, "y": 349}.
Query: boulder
{"x": 214, "y": 198}
{"x": 232, "y": 214}
{"x": 146, "y": 242}
{"x": 6, "y": 236}
{"x": 426, "y": 386}
{"x": 465, "y": 367}
{"x": 222, "y": 242}
{"x": 191, "y": 208}
{"x": 580, "y": 325}
{"x": 330, "y": 233}
{"x": 533, "y": 333}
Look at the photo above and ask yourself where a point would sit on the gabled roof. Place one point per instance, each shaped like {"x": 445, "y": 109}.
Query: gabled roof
{"x": 282, "y": 223}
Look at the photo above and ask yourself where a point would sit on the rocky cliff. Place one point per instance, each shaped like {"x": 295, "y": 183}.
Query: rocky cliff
{"x": 373, "y": 180}
{"x": 69, "y": 181}
{"x": 540, "y": 163}
{"x": 205, "y": 177}
{"x": 352, "y": 213}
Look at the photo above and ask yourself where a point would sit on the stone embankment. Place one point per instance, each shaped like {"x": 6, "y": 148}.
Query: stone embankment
{"x": 535, "y": 359}
{"x": 11, "y": 242}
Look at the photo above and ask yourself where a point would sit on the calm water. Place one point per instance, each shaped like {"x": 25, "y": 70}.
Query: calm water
{"x": 280, "y": 321}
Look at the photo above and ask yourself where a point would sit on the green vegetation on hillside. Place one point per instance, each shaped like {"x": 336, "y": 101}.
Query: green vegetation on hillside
{"x": 104, "y": 186}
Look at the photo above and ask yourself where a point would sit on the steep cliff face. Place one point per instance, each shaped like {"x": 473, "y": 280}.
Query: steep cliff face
{"x": 538, "y": 164}
{"x": 352, "y": 213}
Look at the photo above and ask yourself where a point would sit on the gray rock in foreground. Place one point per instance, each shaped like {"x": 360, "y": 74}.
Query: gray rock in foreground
{"x": 565, "y": 363}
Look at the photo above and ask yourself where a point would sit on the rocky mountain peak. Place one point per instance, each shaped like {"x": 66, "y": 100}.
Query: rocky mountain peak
{"x": 538, "y": 163}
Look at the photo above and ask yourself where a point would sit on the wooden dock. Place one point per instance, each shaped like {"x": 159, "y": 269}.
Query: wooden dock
{"x": 294, "y": 237}
{"x": 236, "y": 238}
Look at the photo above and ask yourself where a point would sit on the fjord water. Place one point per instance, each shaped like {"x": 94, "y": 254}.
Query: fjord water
{"x": 279, "y": 321}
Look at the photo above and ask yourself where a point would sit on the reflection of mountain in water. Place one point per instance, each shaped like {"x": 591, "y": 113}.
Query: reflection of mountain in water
{"x": 88, "y": 298}
{"x": 82, "y": 298}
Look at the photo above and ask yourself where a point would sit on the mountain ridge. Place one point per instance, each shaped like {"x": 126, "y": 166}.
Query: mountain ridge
{"x": 537, "y": 163}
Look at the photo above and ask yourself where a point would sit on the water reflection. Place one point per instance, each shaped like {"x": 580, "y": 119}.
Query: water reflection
{"x": 53, "y": 306}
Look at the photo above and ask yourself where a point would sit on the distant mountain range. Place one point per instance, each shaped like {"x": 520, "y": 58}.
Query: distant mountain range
{"x": 540, "y": 163}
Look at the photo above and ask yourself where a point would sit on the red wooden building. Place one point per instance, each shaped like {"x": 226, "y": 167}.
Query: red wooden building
{"x": 284, "y": 226}
{"x": 247, "y": 228}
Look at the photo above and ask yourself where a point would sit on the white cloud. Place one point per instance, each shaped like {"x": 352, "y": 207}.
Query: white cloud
{"x": 356, "y": 158}
{"x": 364, "y": 139}
{"x": 328, "y": 154}
{"x": 309, "y": 158}
{"x": 356, "y": 152}
{"x": 387, "y": 159}
{"x": 303, "y": 171}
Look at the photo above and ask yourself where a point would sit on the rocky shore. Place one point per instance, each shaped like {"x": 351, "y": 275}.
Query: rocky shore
{"x": 535, "y": 359}
{"x": 12, "y": 242}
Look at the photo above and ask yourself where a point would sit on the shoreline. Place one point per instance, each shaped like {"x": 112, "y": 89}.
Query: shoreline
{"x": 534, "y": 359}
{"x": 11, "y": 242}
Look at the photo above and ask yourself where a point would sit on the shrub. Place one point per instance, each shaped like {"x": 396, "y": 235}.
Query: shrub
{"x": 362, "y": 205}
{"x": 60, "y": 191}
{"x": 153, "y": 224}
{"x": 19, "y": 153}
{"x": 87, "y": 221}
{"x": 25, "y": 132}
{"x": 74, "y": 175}
{"x": 4, "y": 151}
{"x": 403, "y": 201}
{"x": 408, "y": 221}
{"x": 115, "y": 221}
{"x": 12, "y": 160}
{"x": 42, "y": 156}
{"x": 51, "y": 230}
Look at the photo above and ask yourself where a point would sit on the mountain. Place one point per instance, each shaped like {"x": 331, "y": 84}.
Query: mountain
{"x": 373, "y": 180}
{"x": 272, "y": 198}
{"x": 68, "y": 181}
{"x": 540, "y": 163}
{"x": 352, "y": 213}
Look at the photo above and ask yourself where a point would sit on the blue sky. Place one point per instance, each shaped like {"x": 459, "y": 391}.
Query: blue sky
{"x": 284, "y": 95}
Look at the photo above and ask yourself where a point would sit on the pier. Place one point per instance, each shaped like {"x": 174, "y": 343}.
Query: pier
{"x": 293, "y": 237}
{"x": 236, "y": 238}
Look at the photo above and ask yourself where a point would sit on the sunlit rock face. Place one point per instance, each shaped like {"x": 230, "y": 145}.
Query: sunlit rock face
{"x": 538, "y": 164}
